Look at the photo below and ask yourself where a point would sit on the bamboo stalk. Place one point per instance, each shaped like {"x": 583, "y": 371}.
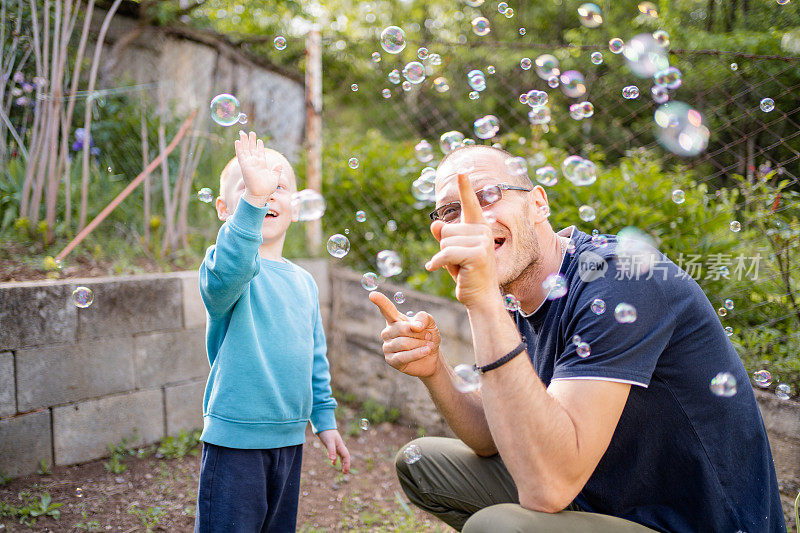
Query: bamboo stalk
{"x": 127, "y": 190}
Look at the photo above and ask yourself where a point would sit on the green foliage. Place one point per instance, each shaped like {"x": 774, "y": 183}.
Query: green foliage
{"x": 32, "y": 509}
{"x": 89, "y": 525}
{"x": 149, "y": 517}
{"x": 181, "y": 446}
{"x": 117, "y": 452}
{"x": 4, "y": 478}
{"x": 44, "y": 468}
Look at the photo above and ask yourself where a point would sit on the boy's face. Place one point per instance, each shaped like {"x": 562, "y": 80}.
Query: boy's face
{"x": 280, "y": 202}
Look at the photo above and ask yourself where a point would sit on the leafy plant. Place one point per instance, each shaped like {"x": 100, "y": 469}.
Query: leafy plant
{"x": 149, "y": 517}
{"x": 4, "y": 478}
{"x": 32, "y": 509}
{"x": 181, "y": 446}
{"x": 119, "y": 451}
{"x": 44, "y": 468}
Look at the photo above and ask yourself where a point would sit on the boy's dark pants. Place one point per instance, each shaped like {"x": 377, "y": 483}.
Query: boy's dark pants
{"x": 248, "y": 491}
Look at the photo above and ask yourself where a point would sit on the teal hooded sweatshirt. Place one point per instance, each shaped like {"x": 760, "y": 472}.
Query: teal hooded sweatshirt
{"x": 266, "y": 345}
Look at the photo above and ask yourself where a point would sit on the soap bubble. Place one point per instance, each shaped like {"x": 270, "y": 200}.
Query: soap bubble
{"x": 625, "y": 313}
{"x": 553, "y": 82}
{"x": 547, "y": 175}
{"x": 573, "y": 84}
{"x": 590, "y": 15}
{"x": 576, "y": 339}
{"x": 660, "y": 94}
{"x": 555, "y": 285}
{"x": 510, "y": 302}
{"x": 423, "y": 187}
{"x": 734, "y": 66}
{"x": 393, "y": 39}
{"x": 354, "y": 87}
{"x": 583, "y": 350}
{"x": 466, "y": 378}
{"x": 670, "y": 77}
{"x": 338, "y": 245}
{"x": 82, "y": 297}
{"x": 728, "y": 331}
{"x": 406, "y": 85}
{"x": 630, "y": 92}
{"x": 509, "y": 13}
{"x": 645, "y": 56}
{"x": 767, "y": 105}
{"x": 525, "y": 63}
{"x": 394, "y": 76}
{"x": 576, "y": 111}
{"x": 587, "y": 108}
{"x": 587, "y": 213}
{"x": 391, "y": 225}
{"x": 474, "y": 95}
{"x": 205, "y": 195}
{"x": 736, "y": 226}
{"x": 728, "y": 304}
{"x": 598, "y": 306}
{"x": 79, "y": 492}
{"x": 440, "y": 84}
{"x": 480, "y": 25}
{"x": 681, "y": 129}
{"x": 242, "y": 118}
{"x": 723, "y": 384}
{"x": 540, "y": 115}
{"x": 546, "y": 66}
{"x": 411, "y": 454}
{"x": 598, "y": 239}
{"x": 435, "y": 60}
{"x": 523, "y": 31}
{"x": 476, "y": 80}
{"x": 636, "y": 251}
{"x": 502, "y": 7}
{"x": 363, "y": 424}
{"x": 597, "y": 58}
{"x": 279, "y": 42}
{"x": 376, "y": 57}
{"x": 386, "y": 93}
{"x": 722, "y": 311}
{"x": 352, "y": 163}
{"x": 307, "y": 205}
{"x": 517, "y": 166}
{"x": 486, "y": 127}
{"x": 422, "y": 52}
{"x": 536, "y": 98}
{"x": 369, "y": 281}
{"x": 616, "y": 45}
{"x": 649, "y": 9}
{"x": 678, "y": 196}
{"x": 474, "y": 3}
{"x": 414, "y": 72}
{"x": 450, "y": 140}
{"x": 225, "y": 109}
{"x": 361, "y": 216}
{"x": 579, "y": 171}
{"x": 661, "y": 38}
{"x": 783, "y": 391}
{"x": 389, "y": 263}
{"x": 399, "y": 297}
{"x": 763, "y": 378}
{"x": 423, "y": 151}
{"x": 490, "y": 69}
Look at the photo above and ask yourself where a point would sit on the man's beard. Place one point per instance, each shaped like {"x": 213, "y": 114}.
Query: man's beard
{"x": 529, "y": 262}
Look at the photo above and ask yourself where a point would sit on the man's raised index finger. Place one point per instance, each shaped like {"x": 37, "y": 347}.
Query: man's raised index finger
{"x": 471, "y": 209}
{"x": 387, "y": 308}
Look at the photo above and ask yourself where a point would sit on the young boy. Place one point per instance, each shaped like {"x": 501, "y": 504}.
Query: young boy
{"x": 269, "y": 374}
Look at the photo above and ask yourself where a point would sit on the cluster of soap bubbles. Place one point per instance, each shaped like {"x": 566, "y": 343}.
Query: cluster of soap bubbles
{"x": 422, "y": 188}
{"x": 581, "y": 110}
{"x": 578, "y": 170}
{"x": 547, "y": 175}
{"x": 486, "y": 127}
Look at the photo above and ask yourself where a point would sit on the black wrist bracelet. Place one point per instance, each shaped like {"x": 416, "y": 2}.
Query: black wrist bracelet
{"x": 503, "y": 360}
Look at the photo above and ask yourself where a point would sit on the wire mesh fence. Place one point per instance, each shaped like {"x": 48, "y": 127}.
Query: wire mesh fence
{"x": 732, "y": 222}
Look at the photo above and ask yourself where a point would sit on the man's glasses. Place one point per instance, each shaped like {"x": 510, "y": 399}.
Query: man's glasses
{"x": 486, "y": 197}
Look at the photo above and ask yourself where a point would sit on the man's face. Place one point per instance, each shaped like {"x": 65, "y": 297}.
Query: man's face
{"x": 512, "y": 218}
{"x": 277, "y": 220}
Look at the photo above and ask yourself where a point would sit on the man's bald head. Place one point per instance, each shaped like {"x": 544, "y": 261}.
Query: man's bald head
{"x": 465, "y": 157}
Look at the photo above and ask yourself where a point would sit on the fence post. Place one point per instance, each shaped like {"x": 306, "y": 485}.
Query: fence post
{"x": 314, "y": 131}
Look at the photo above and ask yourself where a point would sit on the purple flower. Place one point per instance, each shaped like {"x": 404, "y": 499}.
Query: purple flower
{"x": 27, "y": 87}
{"x": 19, "y": 77}
{"x": 21, "y": 101}
{"x": 94, "y": 150}
{"x": 77, "y": 146}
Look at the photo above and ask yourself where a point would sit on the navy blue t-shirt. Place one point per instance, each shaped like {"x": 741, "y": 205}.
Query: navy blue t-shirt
{"x": 681, "y": 458}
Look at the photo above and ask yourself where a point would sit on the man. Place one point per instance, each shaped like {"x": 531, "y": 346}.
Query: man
{"x": 623, "y": 436}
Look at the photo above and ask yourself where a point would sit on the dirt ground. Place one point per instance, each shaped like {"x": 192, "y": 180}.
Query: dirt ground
{"x": 161, "y": 493}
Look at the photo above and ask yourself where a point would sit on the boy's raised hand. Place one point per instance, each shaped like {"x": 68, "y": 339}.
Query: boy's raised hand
{"x": 335, "y": 446}
{"x": 259, "y": 179}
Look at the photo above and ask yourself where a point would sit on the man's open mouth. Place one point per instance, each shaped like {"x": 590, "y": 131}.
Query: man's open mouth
{"x": 498, "y": 242}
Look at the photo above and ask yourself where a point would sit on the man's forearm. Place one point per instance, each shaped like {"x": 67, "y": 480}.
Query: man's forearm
{"x": 463, "y": 412}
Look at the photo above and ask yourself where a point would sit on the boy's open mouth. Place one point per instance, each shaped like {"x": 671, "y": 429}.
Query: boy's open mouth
{"x": 271, "y": 213}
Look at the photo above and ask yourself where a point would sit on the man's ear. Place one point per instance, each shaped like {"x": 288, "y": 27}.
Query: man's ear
{"x": 222, "y": 209}
{"x": 539, "y": 204}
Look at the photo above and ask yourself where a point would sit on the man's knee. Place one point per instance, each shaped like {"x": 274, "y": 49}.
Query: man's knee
{"x": 501, "y": 517}
{"x": 404, "y": 458}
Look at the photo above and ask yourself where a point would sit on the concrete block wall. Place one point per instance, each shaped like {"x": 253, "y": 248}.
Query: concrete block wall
{"x": 74, "y": 380}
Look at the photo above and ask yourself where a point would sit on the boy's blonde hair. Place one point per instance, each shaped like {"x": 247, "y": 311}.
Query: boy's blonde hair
{"x": 230, "y": 168}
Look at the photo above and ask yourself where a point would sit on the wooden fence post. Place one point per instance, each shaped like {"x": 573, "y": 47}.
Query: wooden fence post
{"x": 314, "y": 131}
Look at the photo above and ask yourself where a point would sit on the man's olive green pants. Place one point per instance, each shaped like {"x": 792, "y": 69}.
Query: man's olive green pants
{"x": 477, "y": 494}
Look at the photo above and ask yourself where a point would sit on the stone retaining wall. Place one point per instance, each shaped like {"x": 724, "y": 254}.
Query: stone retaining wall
{"x": 74, "y": 380}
